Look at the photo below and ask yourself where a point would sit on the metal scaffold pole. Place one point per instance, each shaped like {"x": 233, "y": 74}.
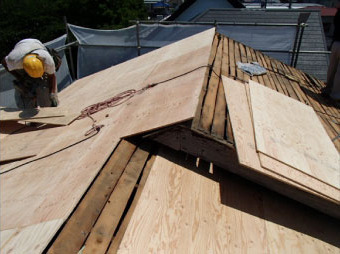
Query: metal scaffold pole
{"x": 69, "y": 50}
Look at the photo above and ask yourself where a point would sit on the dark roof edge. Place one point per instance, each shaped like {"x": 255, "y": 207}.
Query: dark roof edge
{"x": 266, "y": 10}
{"x": 236, "y": 4}
{"x": 180, "y": 10}
{"x": 188, "y": 3}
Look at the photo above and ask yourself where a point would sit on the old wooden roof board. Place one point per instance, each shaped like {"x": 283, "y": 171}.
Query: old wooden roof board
{"x": 40, "y": 192}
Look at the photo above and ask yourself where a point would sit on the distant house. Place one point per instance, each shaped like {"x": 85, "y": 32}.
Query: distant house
{"x": 190, "y": 9}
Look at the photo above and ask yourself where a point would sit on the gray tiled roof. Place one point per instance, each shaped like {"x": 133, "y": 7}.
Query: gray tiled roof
{"x": 313, "y": 38}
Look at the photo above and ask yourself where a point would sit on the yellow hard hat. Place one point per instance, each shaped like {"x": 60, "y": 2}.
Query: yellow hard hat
{"x": 33, "y": 66}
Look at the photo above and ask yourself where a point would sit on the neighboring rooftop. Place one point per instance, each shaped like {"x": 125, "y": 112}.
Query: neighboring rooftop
{"x": 280, "y": 5}
{"x": 313, "y": 37}
{"x": 192, "y": 8}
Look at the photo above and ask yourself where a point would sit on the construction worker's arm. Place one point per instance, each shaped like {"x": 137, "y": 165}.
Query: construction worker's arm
{"x": 52, "y": 83}
{"x": 14, "y": 73}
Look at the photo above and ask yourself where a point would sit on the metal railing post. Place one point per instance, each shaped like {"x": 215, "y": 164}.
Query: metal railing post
{"x": 69, "y": 51}
{"x": 303, "y": 25}
{"x": 137, "y": 37}
{"x": 295, "y": 44}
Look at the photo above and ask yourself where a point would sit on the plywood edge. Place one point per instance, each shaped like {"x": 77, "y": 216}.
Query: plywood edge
{"x": 248, "y": 157}
{"x": 23, "y": 240}
{"x": 304, "y": 164}
{"x": 300, "y": 178}
{"x": 13, "y": 114}
{"x": 13, "y": 159}
{"x": 62, "y": 121}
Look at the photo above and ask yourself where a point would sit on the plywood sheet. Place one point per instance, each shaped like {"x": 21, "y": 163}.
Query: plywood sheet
{"x": 291, "y": 132}
{"x": 11, "y": 114}
{"x": 186, "y": 210}
{"x": 180, "y": 211}
{"x": 26, "y": 144}
{"x": 44, "y": 190}
{"x": 63, "y": 120}
{"x": 242, "y": 126}
{"x": 29, "y": 239}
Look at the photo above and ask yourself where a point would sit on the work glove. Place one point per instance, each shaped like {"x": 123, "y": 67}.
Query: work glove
{"x": 54, "y": 99}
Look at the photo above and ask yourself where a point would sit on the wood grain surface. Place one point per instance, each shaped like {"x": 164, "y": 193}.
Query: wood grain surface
{"x": 49, "y": 188}
{"x": 186, "y": 210}
{"x": 291, "y": 132}
{"x": 11, "y": 114}
{"x": 243, "y": 131}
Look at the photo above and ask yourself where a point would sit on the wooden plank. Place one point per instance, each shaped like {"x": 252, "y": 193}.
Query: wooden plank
{"x": 77, "y": 228}
{"x": 313, "y": 102}
{"x": 25, "y": 144}
{"x": 19, "y": 240}
{"x": 290, "y": 132}
{"x": 232, "y": 61}
{"x": 250, "y": 55}
{"x": 265, "y": 80}
{"x": 122, "y": 229}
{"x": 244, "y": 59}
{"x": 279, "y": 77}
{"x": 213, "y": 51}
{"x": 269, "y": 74}
{"x": 273, "y": 75}
{"x": 241, "y": 123}
{"x": 60, "y": 121}
{"x": 39, "y": 191}
{"x": 246, "y": 149}
{"x": 229, "y": 131}
{"x": 218, "y": 126}
{"x": 328, "y": 105}
{"x": 225, "y": 59}
{"x": 239, "y": 73}
{"x": 180, "y": 209}
{"x": 11, "y": 114}
{"x": 102, "y": 232}
{"x": 284, "y": 82}
{"x": 187, "y": 210}
{"x": 295, "y": 86}
{"x": 210, "y": 97}
{"x": 294, "y": 228}
{"x": 299, "y": 177}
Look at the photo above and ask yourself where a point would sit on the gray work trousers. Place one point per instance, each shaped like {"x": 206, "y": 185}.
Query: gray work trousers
{"x": 333, "y": 74}
{"x": 32, "y": 93}
{"x": 40, "y": 96}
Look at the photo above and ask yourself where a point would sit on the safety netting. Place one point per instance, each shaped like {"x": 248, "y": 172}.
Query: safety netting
{"x": 100, "y": 49}
{"x": 63, "y": 75}
{"x": 268, "y": 39}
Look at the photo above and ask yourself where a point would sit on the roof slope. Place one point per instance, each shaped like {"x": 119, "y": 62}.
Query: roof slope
{"x": 313, "y": 37}
{"x": 37, "y": 196}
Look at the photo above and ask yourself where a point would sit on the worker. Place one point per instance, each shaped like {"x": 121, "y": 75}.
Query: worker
{"x": 34, "y": 69}
{"x": 332, "y": 89}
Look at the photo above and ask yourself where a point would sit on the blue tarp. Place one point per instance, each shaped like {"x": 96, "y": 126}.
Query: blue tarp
{"x": 160, "y": 5}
